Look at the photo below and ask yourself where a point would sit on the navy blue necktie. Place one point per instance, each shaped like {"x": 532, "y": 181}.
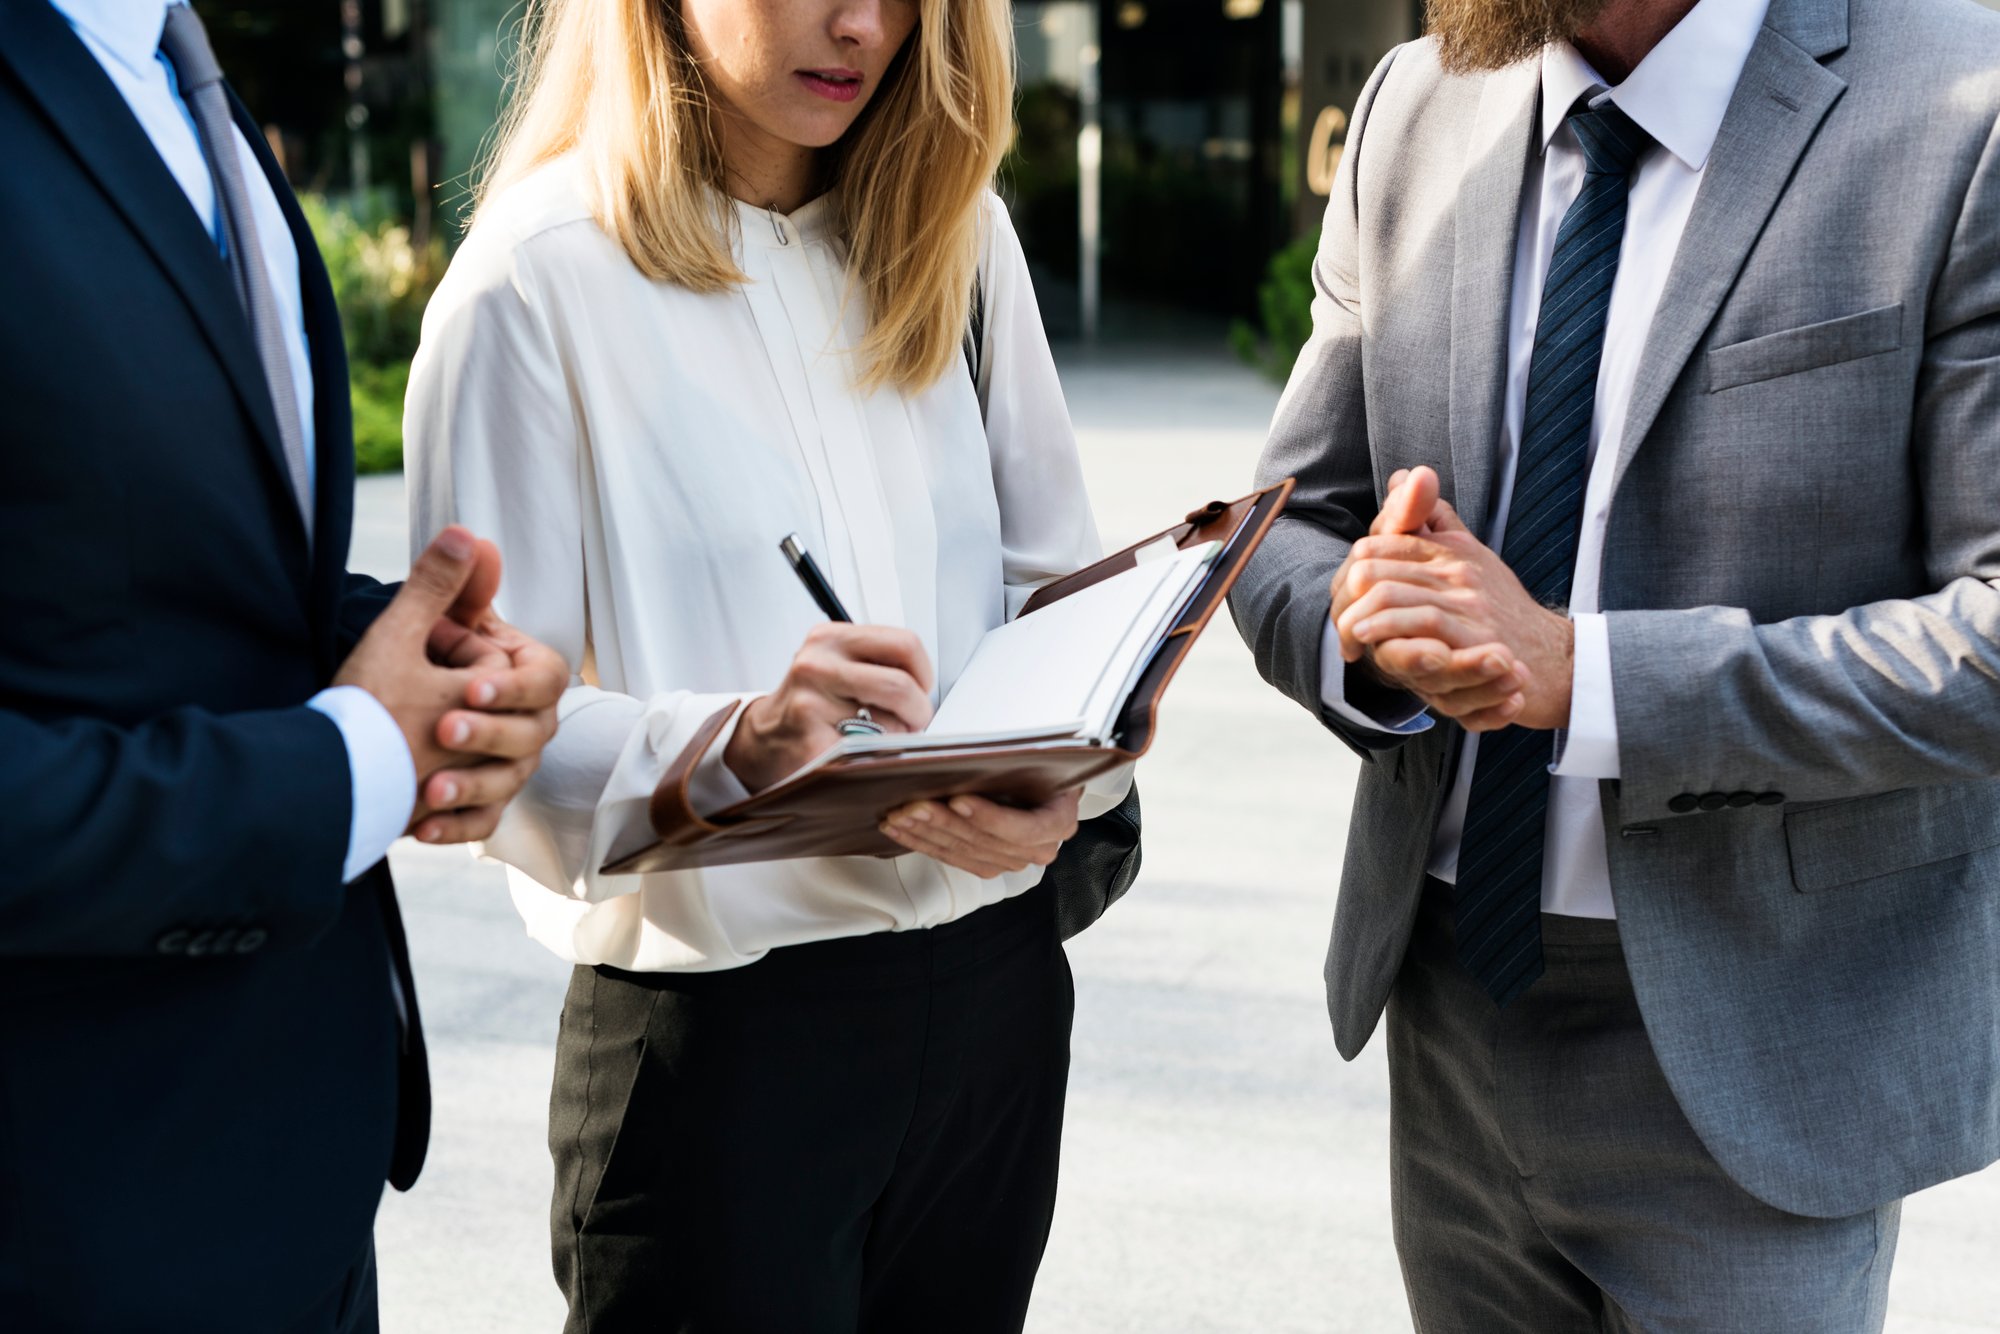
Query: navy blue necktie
{"x": 1497, "y": 902}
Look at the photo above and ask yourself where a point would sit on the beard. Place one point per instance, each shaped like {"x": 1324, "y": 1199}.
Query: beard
{"x": 1478, "y": 35}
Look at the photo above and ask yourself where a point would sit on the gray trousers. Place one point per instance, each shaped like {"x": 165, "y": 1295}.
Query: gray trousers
{"x": 1545, "y": 1180}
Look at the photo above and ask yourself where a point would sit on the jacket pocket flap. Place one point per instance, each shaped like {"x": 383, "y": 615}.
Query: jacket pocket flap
{"x": 1808, "y": 347}
{"x": 1846, "y": 841}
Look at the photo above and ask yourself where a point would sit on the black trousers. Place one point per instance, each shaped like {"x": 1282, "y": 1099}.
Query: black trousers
{"x": 850, "y": 1137}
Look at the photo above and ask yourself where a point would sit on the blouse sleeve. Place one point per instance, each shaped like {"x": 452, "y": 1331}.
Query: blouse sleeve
{"x": 492, "y": 443}
{"x": 1046, "y": 527}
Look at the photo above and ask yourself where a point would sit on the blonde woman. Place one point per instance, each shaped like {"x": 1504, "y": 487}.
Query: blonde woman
{"x": 716, "y": 292}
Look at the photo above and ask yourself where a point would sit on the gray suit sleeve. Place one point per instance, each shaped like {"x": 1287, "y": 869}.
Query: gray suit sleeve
{"x": 1892, "y": 694}
{"x": 1320, "y": 437}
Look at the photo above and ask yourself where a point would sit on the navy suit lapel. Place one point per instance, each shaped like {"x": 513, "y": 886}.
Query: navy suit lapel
{"x": 92, "y": 118}
{"x": 333, "y": 421}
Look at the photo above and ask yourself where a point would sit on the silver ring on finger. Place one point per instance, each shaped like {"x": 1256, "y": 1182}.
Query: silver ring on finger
{"x": 861, "y": 724}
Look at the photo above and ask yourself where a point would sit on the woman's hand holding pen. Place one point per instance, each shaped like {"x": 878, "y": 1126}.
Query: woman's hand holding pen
{"x": 840, "y": 669}
{"x": 982, "y": 836}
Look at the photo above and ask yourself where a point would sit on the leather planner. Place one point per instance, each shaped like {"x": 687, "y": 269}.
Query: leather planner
{"x": 833, "y": 808}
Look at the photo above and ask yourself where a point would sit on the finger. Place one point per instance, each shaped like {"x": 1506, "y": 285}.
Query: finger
{"x": 1492, "y": 720}
{"x": 1387, "y": 596}
{"x": 883, "y": 645}
{"x": 496, "y": 783}
{"x": 891, "y": 694}
{"x": 1401, "y": 547}
{"x": 933, "y": 820}
{"x": 434, "y": 583}
{"x": 465, "y": 826}
{"x": 475, "y": 601}
{"x": 1444, "y": 519}
{"x": 948, "y": 851}
{"x": 1031, "y": 827}
{"x": 1473, "y": 699}
{"x": 534, "y": 676}
{"x": 1401, "y": 661}
{"x": 1418, "y": 622}
{"x": 452, "y": 645}
{"x": 1407, "y": 508}
{"x": 938, "y": 824}
{"x": 1439, "y": 669}
{"x": 506, "y": 736}
{"x": 1365, "y": 574}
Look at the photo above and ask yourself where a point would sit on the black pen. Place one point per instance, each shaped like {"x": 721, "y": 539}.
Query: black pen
{"x": 807, "y": 569}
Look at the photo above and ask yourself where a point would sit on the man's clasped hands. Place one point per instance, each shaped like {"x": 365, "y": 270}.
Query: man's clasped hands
{"x": 474, "y": 697}
{"x": 1430, "y": 609}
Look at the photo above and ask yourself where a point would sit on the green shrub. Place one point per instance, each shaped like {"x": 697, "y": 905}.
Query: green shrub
{"x": 377, "y": 395}
{"x": 1284, "y": 302}
{"x": 381, "y": 282}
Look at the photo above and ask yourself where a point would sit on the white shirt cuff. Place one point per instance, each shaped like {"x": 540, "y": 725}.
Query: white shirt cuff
{"x": 1333, "y": 693}
{"x": 1589, "y": 747}
{"x": 380, "y": 768}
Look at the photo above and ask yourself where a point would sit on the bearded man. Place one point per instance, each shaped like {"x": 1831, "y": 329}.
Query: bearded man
{"x": 1647, "y": 547}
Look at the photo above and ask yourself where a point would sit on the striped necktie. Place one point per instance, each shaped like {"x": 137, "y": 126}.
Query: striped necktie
{"x": 184, "y": 42}
{"x": 1497, "y": 900}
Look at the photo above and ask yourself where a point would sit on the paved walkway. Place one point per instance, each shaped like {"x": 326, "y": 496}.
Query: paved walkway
{"x": 1223, "y": 1169}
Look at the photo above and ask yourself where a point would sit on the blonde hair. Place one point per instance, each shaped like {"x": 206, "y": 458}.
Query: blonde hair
{"x": 613, "y": 82}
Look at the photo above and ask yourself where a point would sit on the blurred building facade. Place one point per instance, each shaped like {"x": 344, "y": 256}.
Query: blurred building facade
{"x": 1166, "y": 148}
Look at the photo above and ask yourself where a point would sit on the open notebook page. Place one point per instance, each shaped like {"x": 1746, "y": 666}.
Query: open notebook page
{"x": 1065, "y": 667}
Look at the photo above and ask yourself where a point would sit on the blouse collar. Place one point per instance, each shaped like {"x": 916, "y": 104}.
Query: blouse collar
{"x": 809, "y": 223}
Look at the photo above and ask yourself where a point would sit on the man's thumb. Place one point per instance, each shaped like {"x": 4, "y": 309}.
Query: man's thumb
{"x": 435, "y": 580}
{"x": 1408, "y": 508}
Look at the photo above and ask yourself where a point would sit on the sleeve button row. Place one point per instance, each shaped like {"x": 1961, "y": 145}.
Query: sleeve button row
{"x": 205, "y": 943}
{"x": 1716, "y": 801}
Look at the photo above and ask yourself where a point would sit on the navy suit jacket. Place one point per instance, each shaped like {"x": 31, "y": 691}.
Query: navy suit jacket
{"x": 203, "y": 1078}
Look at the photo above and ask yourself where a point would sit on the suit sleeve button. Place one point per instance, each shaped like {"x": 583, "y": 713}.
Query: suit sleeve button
{"x": 1738, "y": 800}
{"x": 1683, "y": 803}
{"x": 250, "y": 941}
{"x": 225, "y": 941}
{"x": 173, "y": 942}
{"x": 1770, "y": 798}
{"x": 203, "y": 943}
{"x": 1713, "y": 801}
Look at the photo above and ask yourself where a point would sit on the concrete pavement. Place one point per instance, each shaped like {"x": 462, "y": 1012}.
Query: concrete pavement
{"x": 1223, "y": 1169}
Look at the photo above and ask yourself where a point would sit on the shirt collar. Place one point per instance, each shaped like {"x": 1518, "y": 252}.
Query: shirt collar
{"x": 1679, "y": 92}
{"x": 128, "y": 29}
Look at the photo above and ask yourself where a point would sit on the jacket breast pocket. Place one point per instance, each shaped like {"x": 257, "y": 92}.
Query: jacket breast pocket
{"x": 1809, "y": 347}
{"x": 1844, "y": 842}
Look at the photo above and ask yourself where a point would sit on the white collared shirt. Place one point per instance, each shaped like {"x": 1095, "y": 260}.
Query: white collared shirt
{"x": 1678, "y": 95}
{"x": 639, "y": 450}
{"x": 124, "y": 36}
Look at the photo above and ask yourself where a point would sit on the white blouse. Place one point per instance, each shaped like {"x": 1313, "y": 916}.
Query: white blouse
{"x": 637, "y": 450}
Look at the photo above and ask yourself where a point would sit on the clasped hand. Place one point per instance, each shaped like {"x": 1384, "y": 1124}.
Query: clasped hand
{"x": 842, "y": 668}
{"x": 475, "y": 698}
{"x": 1432, "y": 610}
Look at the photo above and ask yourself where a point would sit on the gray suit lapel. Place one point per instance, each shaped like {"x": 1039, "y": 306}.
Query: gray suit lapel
{"x": 1777, "y": 108}
{"x": 1486, "y": 221}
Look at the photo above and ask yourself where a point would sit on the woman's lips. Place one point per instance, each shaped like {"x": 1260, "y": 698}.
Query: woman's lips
{"x": 835, "y": 85}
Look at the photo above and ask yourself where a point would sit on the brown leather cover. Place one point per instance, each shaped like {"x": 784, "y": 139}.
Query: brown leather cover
{"x": 834, "y": 811}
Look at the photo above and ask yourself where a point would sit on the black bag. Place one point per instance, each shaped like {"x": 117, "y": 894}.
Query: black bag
{"x": 1101, "y": 860}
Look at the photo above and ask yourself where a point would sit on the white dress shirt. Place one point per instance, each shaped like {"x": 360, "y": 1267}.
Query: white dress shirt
{"x": 124, "y": 36}
{"x": 638, "y": 450}
{"x": 1678, "y": 95}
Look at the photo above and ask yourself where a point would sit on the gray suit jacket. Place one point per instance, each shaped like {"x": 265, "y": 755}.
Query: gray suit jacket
{"x": 1802, "y": 575}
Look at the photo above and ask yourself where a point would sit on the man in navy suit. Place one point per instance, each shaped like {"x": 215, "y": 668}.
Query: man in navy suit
{"x": 210, "y": 732}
